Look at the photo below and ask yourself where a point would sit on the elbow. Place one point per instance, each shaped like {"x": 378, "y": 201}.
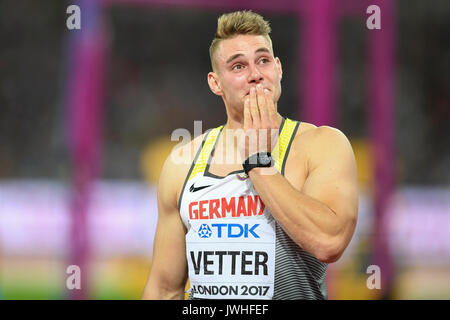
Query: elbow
{"x": 163, "y": 295}
{"x": 160, "y": 289}
{"x": 329, "y": 257}
{"x": 330, "y": 251}
{"x": 332, "y": 247}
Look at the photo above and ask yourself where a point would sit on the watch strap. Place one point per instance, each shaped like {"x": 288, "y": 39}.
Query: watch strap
{"x": 258, "y": 160}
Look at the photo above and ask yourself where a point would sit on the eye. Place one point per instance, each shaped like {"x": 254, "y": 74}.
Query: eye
{"x": 237, "y": 67}
{"x": 264, "y": 61}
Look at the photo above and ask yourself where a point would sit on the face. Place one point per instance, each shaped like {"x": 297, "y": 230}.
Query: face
{"x": 243, "y": 62}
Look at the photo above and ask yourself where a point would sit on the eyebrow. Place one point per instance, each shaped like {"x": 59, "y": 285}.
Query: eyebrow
{"x": 237, "y": 55}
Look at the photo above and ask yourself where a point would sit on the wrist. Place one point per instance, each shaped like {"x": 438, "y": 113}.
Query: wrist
{"x": 258, "y": 171}
{"x": 258, "y": 160}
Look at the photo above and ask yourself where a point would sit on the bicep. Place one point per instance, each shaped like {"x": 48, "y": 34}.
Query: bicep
{"x": 168, "y": 273}
{"x": 333, "y": 178}
{"x": 169, "y": 267}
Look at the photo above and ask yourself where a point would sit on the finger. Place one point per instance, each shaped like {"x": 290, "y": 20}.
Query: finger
{"x": 254, "y": 108}
{"x": 274, "y": 135}
{"x": 262, "y": 106}
{"x": 271, "y": 109}
{"x": 247, "y": 114}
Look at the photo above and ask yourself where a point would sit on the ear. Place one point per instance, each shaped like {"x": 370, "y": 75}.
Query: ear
{"x": 214, "y": 85}
{"x": 280, "y": 69}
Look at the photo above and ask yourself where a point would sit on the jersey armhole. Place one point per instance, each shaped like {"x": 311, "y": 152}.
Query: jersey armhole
{"x": 191, "y": 168}
{"x": 294, "y": 133}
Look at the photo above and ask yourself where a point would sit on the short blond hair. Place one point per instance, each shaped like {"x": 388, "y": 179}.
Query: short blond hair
{"x": 235, "y": 23}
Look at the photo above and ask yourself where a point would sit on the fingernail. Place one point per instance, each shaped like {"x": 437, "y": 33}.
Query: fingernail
{"x": 259, "y": 86}
{"x": 266, "y": 91}
{"x": 252, "y": 89}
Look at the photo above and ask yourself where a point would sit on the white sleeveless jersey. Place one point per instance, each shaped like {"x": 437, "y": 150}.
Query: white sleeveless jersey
{"x": 234, "y": 247}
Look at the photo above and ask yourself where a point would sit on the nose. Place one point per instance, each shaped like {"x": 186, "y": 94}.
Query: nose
{"x": 255, "y": 75}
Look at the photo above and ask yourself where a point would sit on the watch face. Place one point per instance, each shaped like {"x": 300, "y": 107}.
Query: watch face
{"x": 264, "y": 159}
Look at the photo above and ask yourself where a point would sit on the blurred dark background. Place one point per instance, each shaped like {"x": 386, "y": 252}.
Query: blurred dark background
{"x": 157, "y": 71}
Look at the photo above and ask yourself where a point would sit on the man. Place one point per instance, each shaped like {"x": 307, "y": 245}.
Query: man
{"x": 251, "y": 214}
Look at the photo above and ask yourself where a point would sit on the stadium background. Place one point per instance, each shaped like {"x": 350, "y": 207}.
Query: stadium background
{"x": 86, "y": 117}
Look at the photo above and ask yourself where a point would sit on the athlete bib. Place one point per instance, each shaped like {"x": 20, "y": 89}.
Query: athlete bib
{"x": 231, "y": 258}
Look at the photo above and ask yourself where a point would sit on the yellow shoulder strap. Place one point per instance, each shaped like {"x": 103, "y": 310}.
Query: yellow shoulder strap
{"x": 279, "y": 153}
{"x": 281, "y": 150}
{"x": 208, "y": 145}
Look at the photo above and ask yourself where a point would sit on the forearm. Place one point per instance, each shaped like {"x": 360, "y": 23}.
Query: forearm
{"x": 309, "y": 222}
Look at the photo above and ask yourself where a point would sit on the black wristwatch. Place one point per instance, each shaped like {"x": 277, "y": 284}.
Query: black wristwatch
{"x": 258, "y": 160}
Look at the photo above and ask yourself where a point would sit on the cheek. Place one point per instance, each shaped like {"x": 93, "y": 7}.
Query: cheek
{"x": 238, "y": 80}
{"x": 234, "y": 84}
{"x": 277, "y": 92}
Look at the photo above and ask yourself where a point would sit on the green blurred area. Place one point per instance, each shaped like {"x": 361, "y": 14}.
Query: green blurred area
{"x": 124, "y": 278}
{"x": 38, "y": 278}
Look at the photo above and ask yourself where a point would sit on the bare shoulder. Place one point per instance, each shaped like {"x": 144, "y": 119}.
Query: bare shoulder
{"x": 183, "y": 154}
{"x": 308, "y": 132}
{"x": 176, "y": 168}
{"x": 320, "y": 143}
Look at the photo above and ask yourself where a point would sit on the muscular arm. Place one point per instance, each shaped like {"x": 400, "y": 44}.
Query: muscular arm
{"x": 321, "y": 217}
{"x": 168, "y": 273}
